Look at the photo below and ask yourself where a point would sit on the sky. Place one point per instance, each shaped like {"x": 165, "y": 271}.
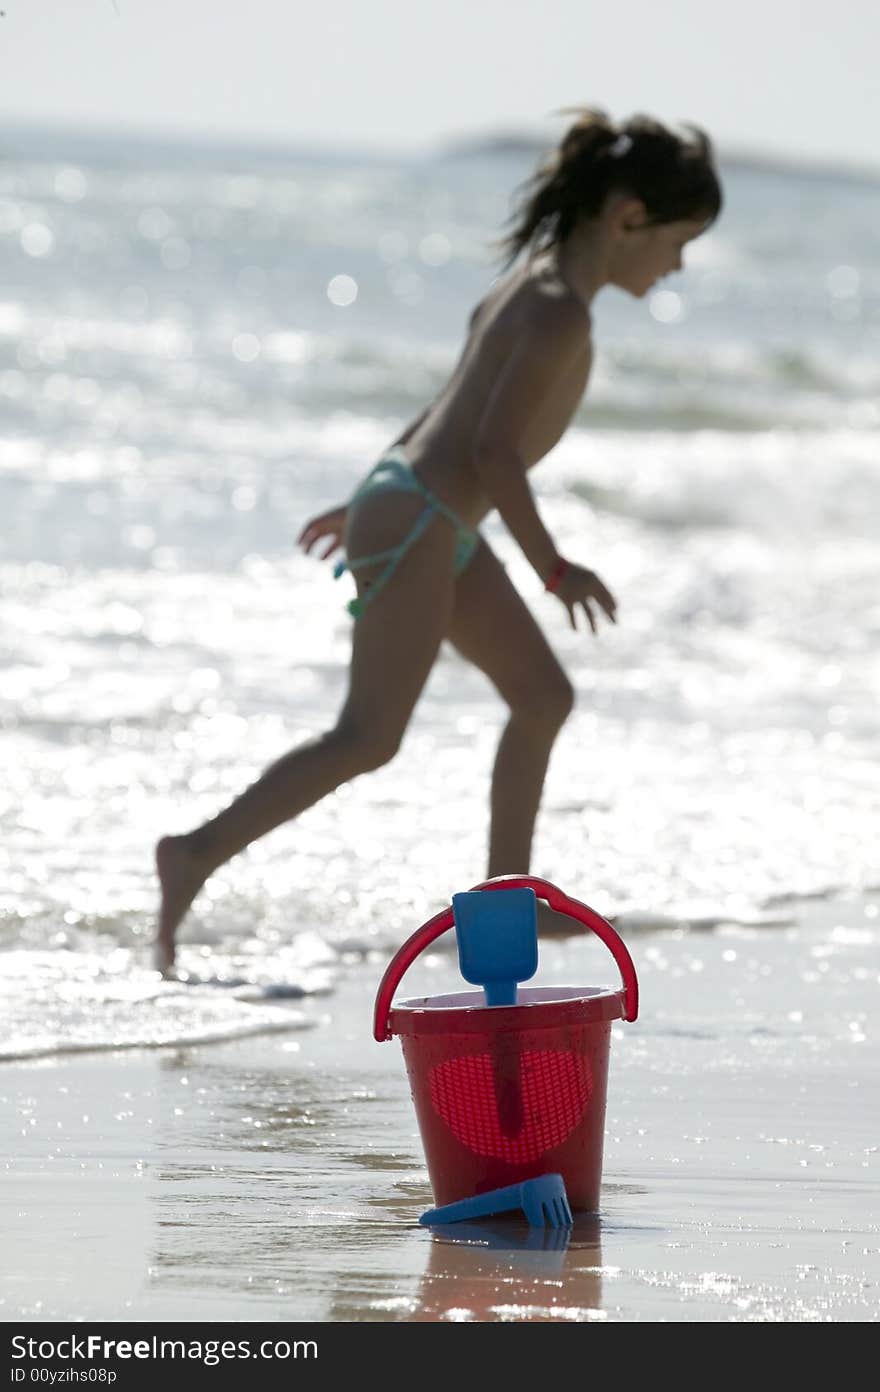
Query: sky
{"x": 786, "y": 77}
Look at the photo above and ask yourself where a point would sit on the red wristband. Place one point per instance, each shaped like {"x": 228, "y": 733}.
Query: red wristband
{"x": 554, "y": 578}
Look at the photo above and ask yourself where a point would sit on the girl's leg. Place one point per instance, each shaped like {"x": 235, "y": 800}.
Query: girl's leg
{"x": 393, "y": 649}
{"x": 492, "y": 627}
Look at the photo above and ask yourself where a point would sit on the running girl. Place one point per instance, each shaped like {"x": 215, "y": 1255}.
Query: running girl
{"x": 611, "y": 206}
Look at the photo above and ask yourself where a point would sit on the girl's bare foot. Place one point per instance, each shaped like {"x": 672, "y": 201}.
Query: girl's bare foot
{"x": 181, "y": 876}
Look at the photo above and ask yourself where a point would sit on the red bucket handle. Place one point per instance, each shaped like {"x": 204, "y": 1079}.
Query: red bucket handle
{"x": 555, "y": 897}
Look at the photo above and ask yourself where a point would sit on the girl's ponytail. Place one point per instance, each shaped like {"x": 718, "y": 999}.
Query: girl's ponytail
{"x": 673, "y": 176}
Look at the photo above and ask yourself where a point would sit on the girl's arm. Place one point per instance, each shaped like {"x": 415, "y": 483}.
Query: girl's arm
{"x": 549, "y": 346}
{"x": 557, "y": 335}
{"x": 329, "y": 524}
{"x": 412, "y": 427}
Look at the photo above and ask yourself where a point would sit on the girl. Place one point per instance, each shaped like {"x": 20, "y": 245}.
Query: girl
{"x": 612, "y": 206}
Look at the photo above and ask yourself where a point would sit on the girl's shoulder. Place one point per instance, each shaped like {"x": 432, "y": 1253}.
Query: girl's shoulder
{"x": 551, "y": 316}
{"x": 534, "y": 299}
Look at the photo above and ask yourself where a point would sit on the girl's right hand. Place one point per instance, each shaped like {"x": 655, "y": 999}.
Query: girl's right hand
{"x": 579, "y": 586}
{"x": 329, "y": 524}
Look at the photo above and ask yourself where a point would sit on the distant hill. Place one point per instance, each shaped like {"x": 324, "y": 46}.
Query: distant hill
{"x": 528, "y": 145}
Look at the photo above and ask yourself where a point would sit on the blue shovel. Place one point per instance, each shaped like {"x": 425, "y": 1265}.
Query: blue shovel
{"x": 497, "y": 932}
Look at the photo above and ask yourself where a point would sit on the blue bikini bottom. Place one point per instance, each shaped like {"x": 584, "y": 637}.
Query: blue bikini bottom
{"x": 395, "y": 474}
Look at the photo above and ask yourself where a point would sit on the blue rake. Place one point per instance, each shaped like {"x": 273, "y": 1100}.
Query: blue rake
{"x": 543, "y": 1200}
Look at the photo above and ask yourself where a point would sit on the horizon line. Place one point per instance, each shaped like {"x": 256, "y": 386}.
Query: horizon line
{"x": 489, "y": 140}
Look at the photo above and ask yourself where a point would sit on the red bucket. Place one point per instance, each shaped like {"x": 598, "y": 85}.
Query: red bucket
{"x": 506, "y": 1093}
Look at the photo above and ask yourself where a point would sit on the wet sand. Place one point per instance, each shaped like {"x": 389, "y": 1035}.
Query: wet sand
{"x": 281, "y": 1177}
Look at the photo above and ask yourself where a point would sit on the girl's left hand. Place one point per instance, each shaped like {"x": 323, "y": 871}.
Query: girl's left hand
{"x": 329, "y": 524}
{"x": 581, "y": 587}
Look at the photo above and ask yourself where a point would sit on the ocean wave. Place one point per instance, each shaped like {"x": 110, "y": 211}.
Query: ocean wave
{"x": 789, "y": 483}
{"x": 61, "y": 1002}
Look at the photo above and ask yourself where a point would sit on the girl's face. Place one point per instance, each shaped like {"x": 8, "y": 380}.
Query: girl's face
{"x": 646, "y": 252}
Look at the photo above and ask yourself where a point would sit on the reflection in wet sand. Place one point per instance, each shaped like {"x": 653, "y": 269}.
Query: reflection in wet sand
{"x": 502, "y": 1269}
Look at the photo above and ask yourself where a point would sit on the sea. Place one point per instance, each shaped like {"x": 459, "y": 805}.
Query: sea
{"x": 201, "y": 347}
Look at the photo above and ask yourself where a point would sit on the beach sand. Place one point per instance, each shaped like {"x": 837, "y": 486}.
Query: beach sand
{"x": 280, "y": 1177}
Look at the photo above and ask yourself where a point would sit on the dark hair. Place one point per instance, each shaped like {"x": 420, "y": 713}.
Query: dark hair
{"x": 674, "y": 176}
